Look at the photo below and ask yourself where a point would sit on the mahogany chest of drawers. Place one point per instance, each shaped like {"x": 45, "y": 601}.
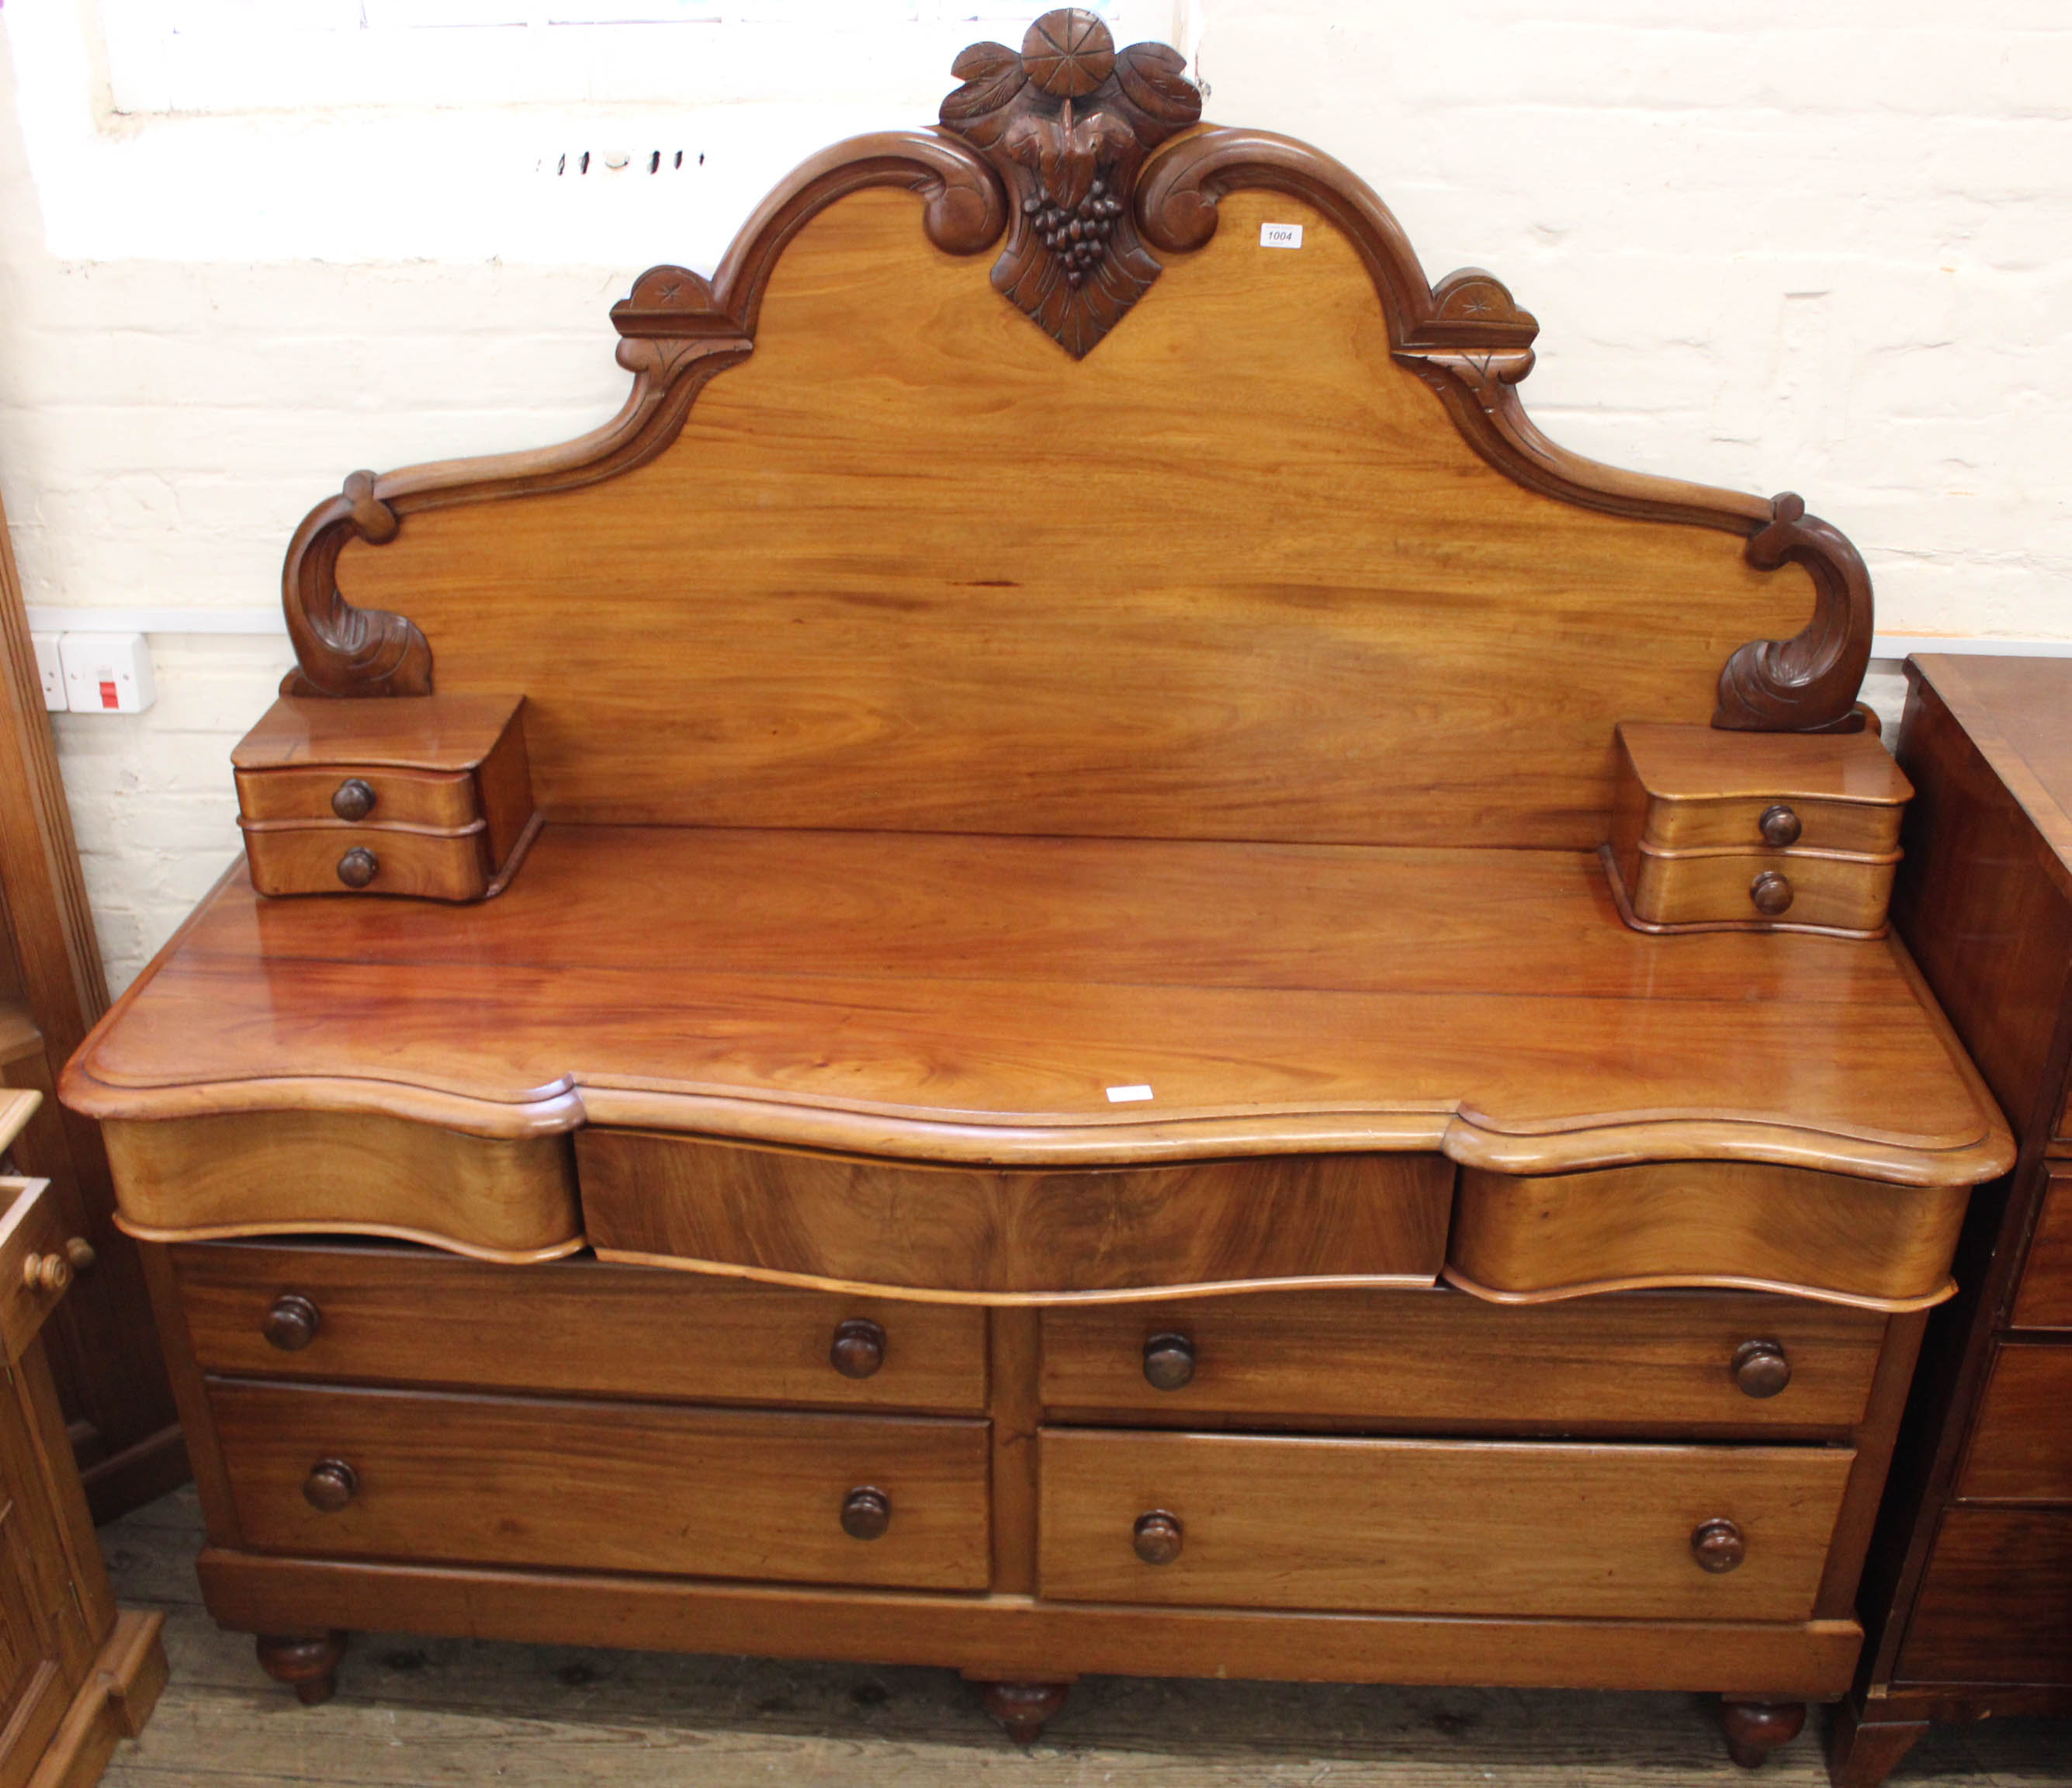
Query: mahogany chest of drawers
{"x": 1968, "y": 1600}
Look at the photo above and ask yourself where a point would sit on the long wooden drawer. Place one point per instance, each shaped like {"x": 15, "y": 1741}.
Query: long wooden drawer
{"x": 1435, "y": 1526}
{"x": 398, "y": 1315}
{"x": 2020, "y": 1448}
{"x": 1660, "y": 1358}
{"x": 604, "y": 1486}
{"x": 1004, "y": 1233}
{"x": 1996, "y": 1605}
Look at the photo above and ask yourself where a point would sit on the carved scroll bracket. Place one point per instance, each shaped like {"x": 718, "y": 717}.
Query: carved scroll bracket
{"x": 1808, "y": 683}
{"x": 678, "y": 329}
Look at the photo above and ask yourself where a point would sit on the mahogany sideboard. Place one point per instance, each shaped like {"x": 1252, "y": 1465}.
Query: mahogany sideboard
{"x": 1968, "y": 1597}
{"x": 1057, "y": 1077}
{"x": 75, "y": 1673}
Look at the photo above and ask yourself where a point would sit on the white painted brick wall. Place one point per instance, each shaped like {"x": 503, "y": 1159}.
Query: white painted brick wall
{"x": 1818, "y": 245}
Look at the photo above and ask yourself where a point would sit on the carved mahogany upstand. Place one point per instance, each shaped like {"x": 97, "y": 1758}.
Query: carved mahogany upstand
{"x": 1968, "y": 1598}
{"x": 1064, "y": 1085}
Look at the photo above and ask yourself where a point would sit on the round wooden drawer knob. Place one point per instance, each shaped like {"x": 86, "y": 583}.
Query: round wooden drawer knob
{"x": 1157, "y": 1537}
{"x": 46, "y": 1272}
{"x": 1717, "y": 1545}
{"x": 79, "y": 1251}
{"x": 354, "y": 800}
{"x": 1771, "y": 894}
{"x": 330, "y": 1484}
{"x": 292, "y": 1323}
{"x": 858, "y": 1349}
{"x": 1169, "y": 1361}
{"x": 1779, "y": 825}
{"x": 1760, "y": 1368}
{"x": 866, "y": 1513}
{"x": 358, "y": 867}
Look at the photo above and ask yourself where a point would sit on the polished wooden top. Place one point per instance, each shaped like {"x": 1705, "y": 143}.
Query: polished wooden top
{"x": 434, "y": 732}
{"x": 974, "y": 998}
{"x": 2018, "y": 711}
{"x": 1700, "y": 763}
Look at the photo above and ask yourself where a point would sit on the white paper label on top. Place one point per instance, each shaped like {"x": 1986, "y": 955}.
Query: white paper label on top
{"x": 1124, "y": 1095}
{"x": 1280, "y": 236}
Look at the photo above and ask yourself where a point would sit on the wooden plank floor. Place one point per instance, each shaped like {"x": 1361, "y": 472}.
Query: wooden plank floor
{"x": 415, "y": 1711}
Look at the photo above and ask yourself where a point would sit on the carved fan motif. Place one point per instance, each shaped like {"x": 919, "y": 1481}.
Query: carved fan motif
{"x": 1066, "y": 123}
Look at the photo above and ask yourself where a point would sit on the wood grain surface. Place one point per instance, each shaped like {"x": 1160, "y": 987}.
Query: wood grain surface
{"x": 2021, "y": 1448}
{"x": 437, "y": 799}
{"x": 1437, "y": 1526}
{"x": 443, "y": 732}
{"x": 968, "y": 1230}
{"x": 1712, "y": 785}
{"x": 607, "y": 1486}
{"x": 2045, "y": 1300}
{"x": 1636, "y": 1360}
{"x": 1992, "y": 928}
{"x": 887, "y": 576}
{"x": 1706, "y": 1223}
{"x": 311, "y": 860}
{"x": 1996, "y": 1605}
{"x": 405, "y": 1316}
{"x": 1829, "y": 890}
{"x": 251, "y": 1172}
{"x": 973, "y": 999}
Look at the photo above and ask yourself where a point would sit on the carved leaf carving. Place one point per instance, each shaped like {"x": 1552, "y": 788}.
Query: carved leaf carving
{"x": 1067, "y": 124}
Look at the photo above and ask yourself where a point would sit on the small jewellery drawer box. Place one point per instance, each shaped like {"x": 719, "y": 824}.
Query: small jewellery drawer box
{"x": 1715, "y": 829}
{"x": 427, "y": 795}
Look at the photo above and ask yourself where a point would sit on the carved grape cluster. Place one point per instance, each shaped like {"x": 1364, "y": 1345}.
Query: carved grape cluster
{"x": 1078, "y": 237}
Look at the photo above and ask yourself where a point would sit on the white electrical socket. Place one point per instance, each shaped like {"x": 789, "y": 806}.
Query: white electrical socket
{"x": 50, "y": 668}
{"x": 107, "y": 673}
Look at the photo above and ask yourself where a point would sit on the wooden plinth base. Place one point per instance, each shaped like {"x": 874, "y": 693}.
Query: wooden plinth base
{"x": 113, "y": 1703}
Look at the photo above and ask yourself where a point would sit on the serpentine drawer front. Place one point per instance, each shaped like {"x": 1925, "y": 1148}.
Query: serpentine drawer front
{"x": 859, "y": 1499}
{"x": 1437, "y": 1526}
{"x": 1722, "y": 1360}
{"x": 1010, "y": 1233}
{"x": 405, "y": 1316}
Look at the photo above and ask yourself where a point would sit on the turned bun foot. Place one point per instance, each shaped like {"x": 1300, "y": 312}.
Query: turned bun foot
{"x": 1755, "y": 1728}
{"x": 1024, "y": 1708}
{"x": 307, "y": 1664}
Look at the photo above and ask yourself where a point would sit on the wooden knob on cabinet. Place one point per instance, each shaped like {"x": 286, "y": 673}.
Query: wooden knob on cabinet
{"x": 1717, "y": 1545}
{"x": 1779, "y": 826}
{"x": 79, "y": 1251}
{"x": 46, "y": 1272}
{"x": 358, "y": 867}
{"x": 1771, "y": 894}
{"x": 1760, "y": 1368}
{"x": 1169, "y": 1361}
{"x": 330, "y": 1484}
{"x": 292, "y": 1322}
{"x": 354, "y": 799}
{"x": 866, "y": 1513}
{"x": 1157, "y": 1537}
{"x": 858, "y": 1349}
